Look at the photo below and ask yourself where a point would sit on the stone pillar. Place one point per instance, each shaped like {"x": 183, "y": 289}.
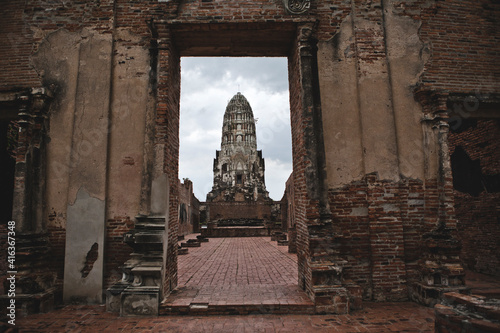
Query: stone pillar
{"x": 440, "y": 267}
{"x": 323, "y": 274}
{"x": 34, "y": 281}
{"x": 148, "y": 276}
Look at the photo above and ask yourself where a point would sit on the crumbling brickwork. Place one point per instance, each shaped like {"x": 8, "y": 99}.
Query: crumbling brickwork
{"x": 118, "y": 252}
{"x": 475, "y": 158}
{"x": 167, "y": 134}
{"x": 370, "y": 87}
{"x": 16, "y": 48}
{"x": 461, "y": 35}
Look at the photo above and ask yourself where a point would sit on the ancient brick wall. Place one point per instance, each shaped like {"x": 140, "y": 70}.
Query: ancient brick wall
{"x": 195, "y": 217}
{"x": 16, "y": 48}
{"x": 57, "y": 239}
{"x": 167, "y": 135}
{"x": 189, "y": 209}
{"x": 475, "y": 153}
{"x": 185, "y": 226}
{"x": 382, "y": 249}
{"x": 288, "y": 200}
{"x": 116, "y": 251}
{"x": 463, "y": 38}
{"x": 299, "y": 165}
{"x": 453, "y": 47}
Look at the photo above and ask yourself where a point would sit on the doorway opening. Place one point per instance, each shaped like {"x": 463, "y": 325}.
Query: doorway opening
{"x": 8, "y": 138}
{"x": 290, "y": 39}
{"x": 225, "y": 269}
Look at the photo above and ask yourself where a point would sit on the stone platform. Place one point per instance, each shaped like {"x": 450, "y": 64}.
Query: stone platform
{"x": 235, "y": 231}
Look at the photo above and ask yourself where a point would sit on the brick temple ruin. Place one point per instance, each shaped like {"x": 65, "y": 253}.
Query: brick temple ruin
{"x": 394, "y": 118}
{"x": 238, "y": 204}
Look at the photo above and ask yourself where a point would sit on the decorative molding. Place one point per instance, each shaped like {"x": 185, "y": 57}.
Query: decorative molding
{"x": 297, "y": 6}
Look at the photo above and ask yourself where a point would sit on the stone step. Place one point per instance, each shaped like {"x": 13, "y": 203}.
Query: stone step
{"x": 182, "y": 250}
{"x": 148, "y": 237}
{"x": 150, "y": 219}
{"x": 226, "y": 299}
{"x": 191, "y": 244}
{"x": 150, "y": 222}
{"x": 150, "y": 270}
{"x": 150, "y": 226}
{"x": 235, "y": 309}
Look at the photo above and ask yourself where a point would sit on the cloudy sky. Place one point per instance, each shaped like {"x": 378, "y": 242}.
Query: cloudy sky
{"x": 207, "y": 85}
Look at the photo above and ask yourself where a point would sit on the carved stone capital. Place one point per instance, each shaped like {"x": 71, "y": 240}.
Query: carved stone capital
{"x": 297, "y": 6}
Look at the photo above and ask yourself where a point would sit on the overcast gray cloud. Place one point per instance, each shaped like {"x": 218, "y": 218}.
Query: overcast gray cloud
{"x": 207, "y": 85}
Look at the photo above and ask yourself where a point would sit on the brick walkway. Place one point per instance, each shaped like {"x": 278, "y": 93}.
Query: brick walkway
{"x": 239, "y": 272}
{"x": 375, "y": 317}
{"x": 237, "y": 276}
{"x": 241, "y": 261}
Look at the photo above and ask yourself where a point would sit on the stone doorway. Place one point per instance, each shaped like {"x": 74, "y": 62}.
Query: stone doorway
{"x": 284, "y": 39}
{"x": 239, "y": 274}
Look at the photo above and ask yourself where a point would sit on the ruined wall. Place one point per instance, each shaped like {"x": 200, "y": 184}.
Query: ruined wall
{"x": 475, "y": 159}
{"x": 167, "y": 139}
{"x": 195, "y": 213}
{"x": 381, "y": 172}
{"x": 97, "y": 125}
{"x": 288, "y": 214}
{"x": 462, "y": 36}
{"x": 288, "y": 199}
{"x": 189, "y": 209}
{"x": 375, "y": 165}
{"x": 114, "y": 119}
{"x": 16, "y": 48}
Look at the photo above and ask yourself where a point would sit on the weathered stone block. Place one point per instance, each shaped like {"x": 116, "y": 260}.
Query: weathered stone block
{"x": 113, "y": 296}
{"x": 140, "y": 301}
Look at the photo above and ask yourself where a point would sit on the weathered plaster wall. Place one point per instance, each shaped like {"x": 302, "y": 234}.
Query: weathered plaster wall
{"x": 341, "y": 116}
{"x": 57, "y": 61}
{"x": 406, "y": 56}
{"x": 84, "y": 260}
{"x": 73, "y": 65}
{"x": 368, "y": 72}
{"x": 88, "y": 164}
{"x": 130, "y": 96}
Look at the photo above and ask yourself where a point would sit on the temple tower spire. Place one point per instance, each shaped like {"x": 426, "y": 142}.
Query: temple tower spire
{"x": 238, "y": 166}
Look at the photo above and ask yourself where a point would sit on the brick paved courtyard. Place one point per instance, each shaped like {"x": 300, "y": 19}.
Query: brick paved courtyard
{"x": 237, "y": 276}
{"x": 237, "y": 273}
{"x": 240, "y": 260}
{"x": 375, "y": 317}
